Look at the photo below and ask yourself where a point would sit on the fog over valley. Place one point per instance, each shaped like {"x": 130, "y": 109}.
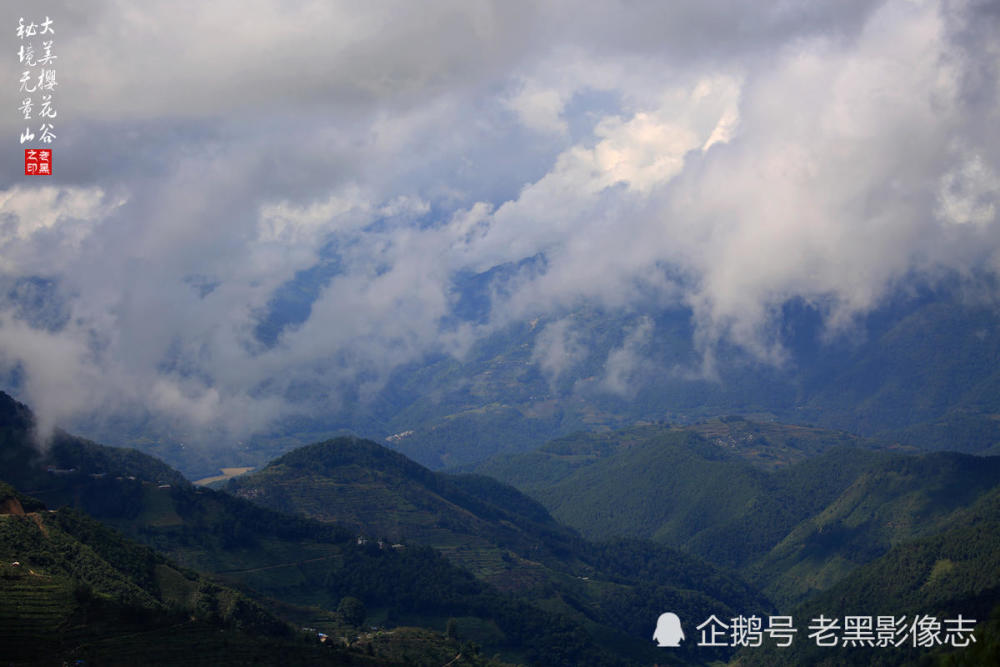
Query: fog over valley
{"x": 264, "y": 211}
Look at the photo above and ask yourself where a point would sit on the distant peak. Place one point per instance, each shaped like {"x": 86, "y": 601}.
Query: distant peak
{"x": 15, "y": 415}
{"x": 350, "y": 450}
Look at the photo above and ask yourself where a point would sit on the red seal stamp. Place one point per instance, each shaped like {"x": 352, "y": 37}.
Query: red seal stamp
{"x": 37, "y": 161}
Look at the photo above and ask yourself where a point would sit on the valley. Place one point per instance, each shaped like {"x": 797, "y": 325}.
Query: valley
{"x": 727, "y": 517}
{"x": 500, "y": 334}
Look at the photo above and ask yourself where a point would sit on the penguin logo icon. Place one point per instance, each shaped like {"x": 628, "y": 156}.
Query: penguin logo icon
{"x": 668, "y": 630}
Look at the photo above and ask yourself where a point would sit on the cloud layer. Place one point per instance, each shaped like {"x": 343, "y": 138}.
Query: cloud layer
{"x": 330, "y": 173}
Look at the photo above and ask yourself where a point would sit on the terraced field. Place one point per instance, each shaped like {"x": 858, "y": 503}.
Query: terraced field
{"x": 33, "y": 608}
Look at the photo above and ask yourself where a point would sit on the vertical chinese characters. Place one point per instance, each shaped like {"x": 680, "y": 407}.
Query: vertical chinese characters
{"x": 36, "y": 92}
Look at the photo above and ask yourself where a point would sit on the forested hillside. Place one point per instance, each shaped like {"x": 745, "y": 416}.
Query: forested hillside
{"x": 791, "y": 528}
{"x": 796, "y": 510}
{"x": 72, "y": 589}
{"x": 307, "y": 568}
{"x": 951, "y": 575}
{"x": 495, "y": 532}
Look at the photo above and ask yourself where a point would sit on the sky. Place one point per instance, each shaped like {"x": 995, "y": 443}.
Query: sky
{"x": 723, "y": 157}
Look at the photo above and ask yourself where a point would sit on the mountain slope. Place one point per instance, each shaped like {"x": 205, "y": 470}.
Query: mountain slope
{"x": 937, "y": 359}
{"x": 383, "y": 494}
{"x": 495, "y": 532}
{"x": 792, "y": 529}
{"x": 676, "y": 487}
{"x": 888, "y": 504}
{"x": 954, "y": 572}
{"x": 763, "y": 445}
{"x": 306, "y": 564}
{"x": 71, "y": 589}
{"x": 924, "y": 357}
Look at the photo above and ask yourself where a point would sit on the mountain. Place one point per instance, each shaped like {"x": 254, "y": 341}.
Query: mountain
{"x": 888, "y": 504}
{"x": 300, "y": 568}
{"x": 921, "y": 363}
{"x": 72, "y": 589}
{"x": 791, "y": 529}
{"x": 772, "y": 445}
{"x": 679, "y": 488}
{"x": 495, "y": 532}
{"x": 919, "y": 369}
{"x": 953, "y": 573}
{"x": 936, "y": 361}
{"x": 381, "y": 493}
{"x": 764, "y": 445}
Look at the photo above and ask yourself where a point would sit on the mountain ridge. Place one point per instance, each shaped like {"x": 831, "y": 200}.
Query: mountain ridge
{"x": 793, "y": 530}
{"x": 541, "y": 560}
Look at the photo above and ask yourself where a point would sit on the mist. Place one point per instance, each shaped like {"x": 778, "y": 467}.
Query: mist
{"x": 722, "y": 158}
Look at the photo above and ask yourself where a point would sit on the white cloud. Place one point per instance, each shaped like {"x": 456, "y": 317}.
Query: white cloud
{"x": 540, "y": 108}
{"x": 290, "y": 224}
{"x": 726, "y": 158}
{"x": 56, "y": 368}
{"x": 825, "y": 193}
{"x": 40, "y": 225}
{"x": 641, "y": 153}
{"x": 623, "y": 362}
{"x": 969, "y": 193}
{"x": 557, "y": 349}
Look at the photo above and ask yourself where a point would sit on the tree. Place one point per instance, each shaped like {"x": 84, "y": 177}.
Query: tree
{"x": 352, "y": 610}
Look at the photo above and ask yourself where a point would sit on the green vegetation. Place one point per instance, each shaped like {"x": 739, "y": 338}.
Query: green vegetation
{"x": 70, "y": 589}
{"x": 353, "y": 611}
{"x": 310, "y": 564}
{"x": 385, "y": 495}
{"x": 677, "y": 488}
{"x": 934, "y": 362}
{"x": 793, "y": 529}
{"x": 959, "y": 430}
{"x": 956, "y": 571}
{"x": 361, "y": 543}
{"x": 496, "y": 533}
{"x": 886, "y": 505}
{"x": 81, "y": 591}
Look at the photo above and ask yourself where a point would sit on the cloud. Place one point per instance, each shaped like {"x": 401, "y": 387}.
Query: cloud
{"x": 623, "y": 362}
{"x": 557, "y": 349}
{"x": 969, "y": 193}
{"x": 39, "y": 224}
{"x": 835, "y": 202}
{"x": 55, "y": 367}
{"x": 540, "y": 108}
{"x": 639, "y": 153}
{"x": 812, "y": 187}
{"x": 342, "y": 170}
{"x": 289, "y": 224}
